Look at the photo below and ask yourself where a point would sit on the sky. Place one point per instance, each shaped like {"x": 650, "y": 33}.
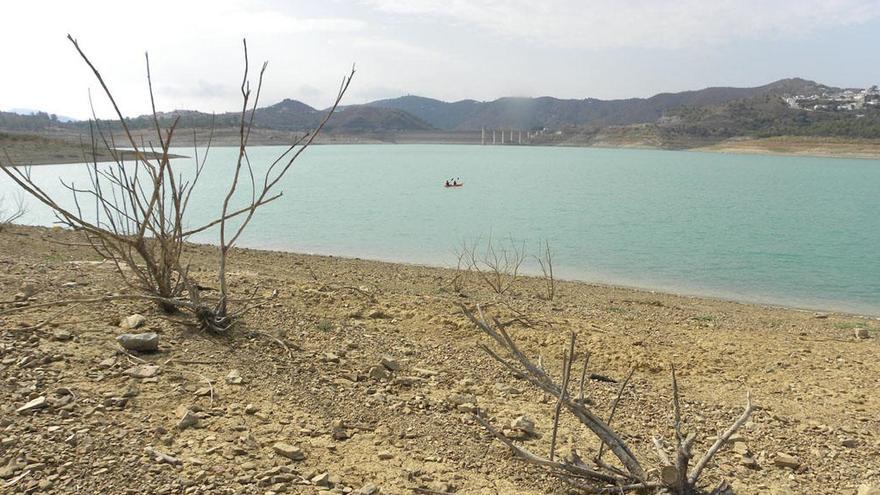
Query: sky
{"x": 449, "y": 49}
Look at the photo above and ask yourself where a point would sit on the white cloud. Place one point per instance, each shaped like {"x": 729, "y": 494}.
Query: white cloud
{"x": 664, "y": 24}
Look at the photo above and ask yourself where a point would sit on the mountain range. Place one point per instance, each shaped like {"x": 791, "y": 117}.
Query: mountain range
{"x": 717, "y": 111}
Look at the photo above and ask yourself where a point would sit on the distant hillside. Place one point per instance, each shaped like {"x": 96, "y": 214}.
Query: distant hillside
{"x": 554, "y": 113}
{"x": 768, "y": 116}
{"x": 287, "y": 115}
{"x": 666, "y": 119}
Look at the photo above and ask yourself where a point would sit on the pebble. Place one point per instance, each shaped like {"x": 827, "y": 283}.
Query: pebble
{"x": 188, "y": 419}
{"x": 234, "y": 378}
{"x": 139, "y": 342}
{"x": 379, "y": 373}
{"x": 251, "y": 409}
{"x": 787, "y": 461}
{"x": 862, "y": 333}
{"x": 369, "y": 489}
{"x": 850, "y": 443}
{"x": 38, "y": 403}
{"x": 523, "y": 424}
{"x": 338, "y": 431}
{"x": 62, "y": 335}
{"x": 143, "y": 371}
{"x": 289, "y": 451}
{"x": 390, "y": 363}
{"x": 385, "y": 455}
{"x": 132, "y": 322}
{"x": 322, "y": 479}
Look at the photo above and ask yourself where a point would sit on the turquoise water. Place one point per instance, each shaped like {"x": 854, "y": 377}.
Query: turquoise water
{"x": 794, "y": 231}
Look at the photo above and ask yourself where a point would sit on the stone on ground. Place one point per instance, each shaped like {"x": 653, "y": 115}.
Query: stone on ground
{"x": 139, "y": 342}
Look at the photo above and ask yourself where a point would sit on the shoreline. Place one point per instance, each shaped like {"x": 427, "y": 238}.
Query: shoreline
{"x": 792, "y": 146}
{"x": 682, "y": 293}
{"x": 609, "y": 285}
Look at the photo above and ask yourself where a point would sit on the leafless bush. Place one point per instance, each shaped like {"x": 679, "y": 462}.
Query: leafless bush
{"x": 545, "y": 261}
{"x": 673, "y": 474}
{"x": 8, "y": 215}
{"x": 140, "y": 220}
{"x": 497, "y": 264}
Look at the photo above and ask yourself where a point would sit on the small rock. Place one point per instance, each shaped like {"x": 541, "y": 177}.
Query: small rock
{"x": 161, "y": 456}
{"x": 458, "y": 399}
{"x": 440, "y": 487}
{"x": 850, "y": 443}
{"x": 38, "y": 403}
{"x": 203, "y": 392}
{"x": 862, "y": 333}
{"x": 338, "y": 431}
{"x": 390, "y": 363}
{"x": 741, "y": 448}
{"x": 187, "y": 420}
{"x": 385, "y": 455}
{"x": 139, "y": 342}
{"x": 27, "y": 289}
{"x": 523, "y": 424}
{"x": 377, "y": 314}
{"x": 322, "y": 479}
{"x": 820, "y": 316}
{"x": 143, "y": 371}
{"x": 749, "y": 461}
{"x": 785, "y": 460}
{"x": 369, "y": 489}
{"x": 234, "y": 378}
{"x": 379, "y": 373}
{"x": 132, "y": 322}
{"x": 61, "y": 335}
{"x": 251, "y": 409}
{"x": 289, "y": 451}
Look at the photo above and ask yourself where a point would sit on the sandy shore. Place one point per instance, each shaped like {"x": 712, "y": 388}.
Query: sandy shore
{"x": 307, "y": 360}
{"x": 65, "y": 149}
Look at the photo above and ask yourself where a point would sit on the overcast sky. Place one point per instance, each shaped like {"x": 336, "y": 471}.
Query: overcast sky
{"x": 450, "y": 49}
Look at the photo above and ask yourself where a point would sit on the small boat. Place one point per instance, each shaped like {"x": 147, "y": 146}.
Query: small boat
{"x": 453, "y": 185}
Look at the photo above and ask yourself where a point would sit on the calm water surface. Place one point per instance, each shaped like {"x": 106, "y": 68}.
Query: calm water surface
{"x": 785, "y": 230}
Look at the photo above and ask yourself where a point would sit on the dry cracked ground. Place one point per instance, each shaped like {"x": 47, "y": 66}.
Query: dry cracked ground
{"x": 360, "y": 377}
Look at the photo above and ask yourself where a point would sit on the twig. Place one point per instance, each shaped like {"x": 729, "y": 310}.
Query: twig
{"x": 614, "y": 406}
{"x": 583, "y": 378}
{"x": 695, "y": 474}
{"x": 567, "y": 359}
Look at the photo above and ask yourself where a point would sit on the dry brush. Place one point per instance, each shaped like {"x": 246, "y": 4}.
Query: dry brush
{"x": 140, "y": 202}
{"x": 674, "y": 473}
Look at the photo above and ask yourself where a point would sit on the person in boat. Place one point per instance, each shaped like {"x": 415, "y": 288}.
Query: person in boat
{"x": 447, "y": 182}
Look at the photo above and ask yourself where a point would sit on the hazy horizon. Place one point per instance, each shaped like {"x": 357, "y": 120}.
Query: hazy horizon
{"x": 450, "y": 51}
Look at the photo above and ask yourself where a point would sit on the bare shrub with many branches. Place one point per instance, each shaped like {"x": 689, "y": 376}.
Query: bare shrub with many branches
{"x": 496, "y": 264}
{"x": 674, "y": 473}
{"x": 140, "y": 221}
{"x": 9, "y": 215}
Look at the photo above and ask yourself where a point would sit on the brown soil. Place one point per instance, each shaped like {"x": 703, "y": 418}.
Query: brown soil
{"x": 305, "y": 362}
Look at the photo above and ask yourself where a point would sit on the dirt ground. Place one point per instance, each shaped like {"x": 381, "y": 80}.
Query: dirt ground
{"x": 366, "y": 371}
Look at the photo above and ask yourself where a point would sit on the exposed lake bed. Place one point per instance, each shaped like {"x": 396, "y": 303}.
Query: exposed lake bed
{"x": 307, "y": 363}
